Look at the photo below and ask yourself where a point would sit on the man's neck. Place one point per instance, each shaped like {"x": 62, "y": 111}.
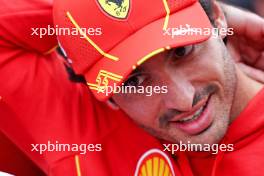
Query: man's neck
{"x": 246, "y": 89}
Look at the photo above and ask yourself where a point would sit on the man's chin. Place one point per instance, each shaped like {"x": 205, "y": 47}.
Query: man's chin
{"x": 210, "y": 136}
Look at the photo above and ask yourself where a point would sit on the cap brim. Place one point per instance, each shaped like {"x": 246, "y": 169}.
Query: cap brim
{"x": 144, "y": 44}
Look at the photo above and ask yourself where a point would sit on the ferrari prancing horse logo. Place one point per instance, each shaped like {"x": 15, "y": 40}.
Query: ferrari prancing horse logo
{"x": 116, "y": 8}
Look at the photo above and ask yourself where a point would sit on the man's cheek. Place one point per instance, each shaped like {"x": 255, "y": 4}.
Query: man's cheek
{"x": 144, "y": 118}
{"x": 209, "y": 70}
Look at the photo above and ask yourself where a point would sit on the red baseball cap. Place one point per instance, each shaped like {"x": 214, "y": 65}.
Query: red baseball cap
{"x": 120, "y": 35}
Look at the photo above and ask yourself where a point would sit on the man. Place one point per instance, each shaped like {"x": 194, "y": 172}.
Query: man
{"x": 126, "y": 148}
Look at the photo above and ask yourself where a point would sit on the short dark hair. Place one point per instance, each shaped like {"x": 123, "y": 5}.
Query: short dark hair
{"x": 208, "y": 8}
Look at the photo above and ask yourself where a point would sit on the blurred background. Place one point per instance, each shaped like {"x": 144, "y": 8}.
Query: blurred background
{"x": 256, "y": 6}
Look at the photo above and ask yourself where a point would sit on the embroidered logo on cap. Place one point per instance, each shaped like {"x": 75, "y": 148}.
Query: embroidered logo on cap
{"x": 154, "y": 163}
{"x": 115, "y": 8}
{"x": 102, "y": 80}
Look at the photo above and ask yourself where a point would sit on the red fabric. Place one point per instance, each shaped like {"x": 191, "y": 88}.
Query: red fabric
{"x": 14, "y": 161}
{"x": 40, "y": 104}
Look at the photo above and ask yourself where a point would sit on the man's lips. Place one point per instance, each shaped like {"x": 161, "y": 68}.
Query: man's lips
{"x": 191, "y": 113}
{"x": 195, "y": 121}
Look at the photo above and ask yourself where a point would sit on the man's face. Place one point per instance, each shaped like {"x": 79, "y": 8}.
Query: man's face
{"x": 200, "y": 82}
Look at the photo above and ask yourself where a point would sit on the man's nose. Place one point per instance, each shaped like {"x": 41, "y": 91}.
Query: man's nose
{"x": 180, "y": 94}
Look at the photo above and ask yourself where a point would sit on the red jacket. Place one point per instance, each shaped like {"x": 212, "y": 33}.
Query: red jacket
{"x": 40, "y": 104}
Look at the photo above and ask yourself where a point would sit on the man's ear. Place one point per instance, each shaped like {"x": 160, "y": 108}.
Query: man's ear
{"x": 219, "y": 18}
{"x": 112, "y": 104}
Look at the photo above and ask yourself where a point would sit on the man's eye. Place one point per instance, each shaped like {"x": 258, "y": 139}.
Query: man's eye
{"x": 135, "y": 81}
{"x": 181, "y": 51}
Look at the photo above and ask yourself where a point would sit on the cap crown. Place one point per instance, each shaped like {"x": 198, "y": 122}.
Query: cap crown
{"x": 109, "y": 22}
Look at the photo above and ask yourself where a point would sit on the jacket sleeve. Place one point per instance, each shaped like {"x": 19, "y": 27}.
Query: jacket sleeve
{"x": 38, "y": 103}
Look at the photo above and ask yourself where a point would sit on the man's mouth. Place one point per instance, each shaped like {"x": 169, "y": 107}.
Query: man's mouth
{"x": 192, "y": 117}
{"x": 195, "y": 121}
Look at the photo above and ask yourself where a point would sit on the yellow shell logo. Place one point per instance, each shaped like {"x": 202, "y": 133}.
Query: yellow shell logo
{"x": 116, "y": 8}
{"x": 154, "y": 163}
